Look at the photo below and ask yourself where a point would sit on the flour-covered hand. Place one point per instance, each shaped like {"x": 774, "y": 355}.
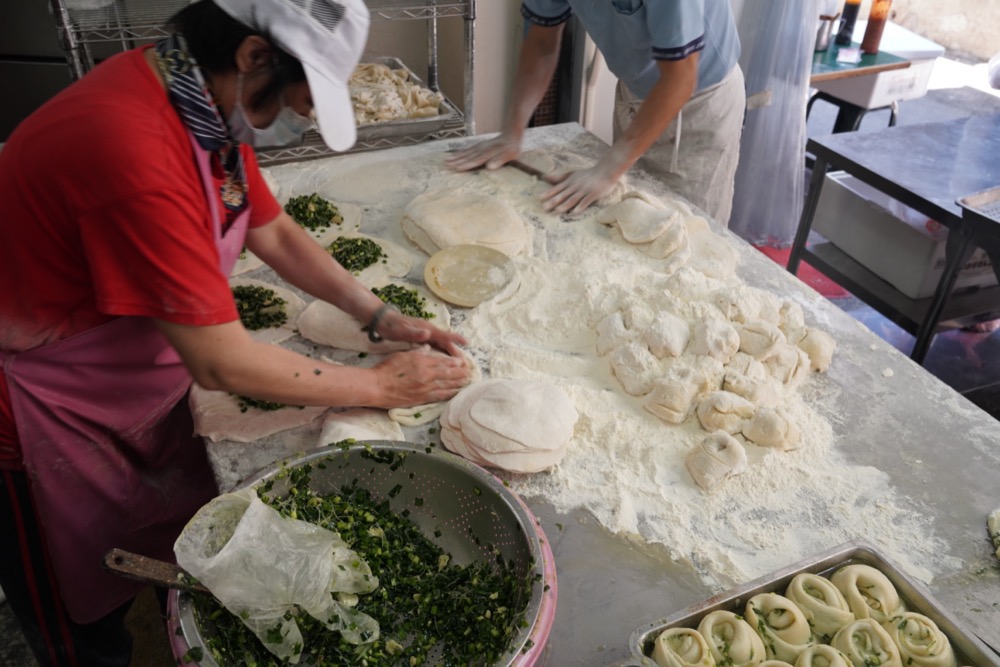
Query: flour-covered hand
{"x": 492, "y": 153}
{"x": 574, "y": 191}
{"x": 398, "y": 327}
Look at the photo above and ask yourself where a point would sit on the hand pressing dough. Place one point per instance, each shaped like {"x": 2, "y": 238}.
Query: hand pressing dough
{"x": 359, "y": 424}
{"x": 418, "y": 415}
{"x": 716, "y": 339}
{"x": 217, "y": 417}
{"x": 294, "y": 307}
{"x": 868, "y": 592}
{"x": 762, "y": 393}
{"x": 731, "y": 639}
{"x": 822, "y": 655}
{"x": 920, "y": 641}
{"x": 759, "y": 338}
{"x": 724, "y": 411}
{"x": 715, "y": 459}
{"x": 864, "y": 642}
{"x": 635, "y": 367}
{"x": 325, "y": 324}
{"x": 781, "y": 625}
{"x": 682, "y": 647}
{"x": 823, "y": 605}
{"x": 667, "y": 335}
{"x": 447, "y": 218}
{"x": 772, "y": 427}
{"x": 819, "y": 346}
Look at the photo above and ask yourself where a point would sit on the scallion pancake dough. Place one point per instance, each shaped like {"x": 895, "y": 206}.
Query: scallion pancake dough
{"x": 821, "y": 602}
{"x": 395, "y": 264}
{"x": 865, "y": 642}
{"x": 781, "y": 625}
{"x": 351, "y": 214}
{"x": 920, "y": 641}
{"x": 731, "y": 639}
{"x": 446, "y": 218}
{"x": 246, "y": 263}
{"x": 217, "y": 417}
{"x": 359, "y": 424}
{"x": 682, "y": 647}
{"x": 868, "y": 592}
{"x": 294, "y": 306}
{"x": 822, "y": 655}
{"x": 328, "y": 325}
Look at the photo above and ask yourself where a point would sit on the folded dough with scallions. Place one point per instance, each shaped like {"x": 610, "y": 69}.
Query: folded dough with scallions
{"x": 781, "y": 625}
{"x": 823, "y": 605}
{"x": 866, "y": 643}
{"x": 682, "y": 647}
{"x": 731, "y": 639}
{"x": 868, "y": 592}
{"x": 919, "y": 640}
{"x": 822, "y": 655}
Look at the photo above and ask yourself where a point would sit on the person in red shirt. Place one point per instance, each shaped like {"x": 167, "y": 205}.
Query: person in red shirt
{"x": 126, "y": 200}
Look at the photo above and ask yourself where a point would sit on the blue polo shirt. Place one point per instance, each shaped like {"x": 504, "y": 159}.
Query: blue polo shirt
{"x": 633, "y": 34}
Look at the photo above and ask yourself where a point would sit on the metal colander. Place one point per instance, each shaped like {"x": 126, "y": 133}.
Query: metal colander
{"x": 460, "y": 506}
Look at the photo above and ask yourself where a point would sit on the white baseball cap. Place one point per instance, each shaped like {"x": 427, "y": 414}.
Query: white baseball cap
{"x": 327, "y": 37}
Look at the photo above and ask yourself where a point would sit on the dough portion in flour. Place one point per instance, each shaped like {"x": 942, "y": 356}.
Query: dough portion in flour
{"x": 668, "y": 335}
{"x": 294, "y": 306}
{"x": 635, "y": 367}
{"x": 446, "y": 218}
{"x": 325, "y": 324}
{"x": 819, "y": 346}
{"x": 217, "y": 416}
{"x": 724, "y": 411}
{"x": 716, "y": 458}
{"x": 716, "y": 339}
{"x": 772, "y": 427}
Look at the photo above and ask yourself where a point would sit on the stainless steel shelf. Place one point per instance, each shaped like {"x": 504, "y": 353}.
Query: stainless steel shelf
{"x": 130, "y": 21}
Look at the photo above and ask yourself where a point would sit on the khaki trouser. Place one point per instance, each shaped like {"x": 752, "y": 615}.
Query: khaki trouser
{"x": 700, "y": 164}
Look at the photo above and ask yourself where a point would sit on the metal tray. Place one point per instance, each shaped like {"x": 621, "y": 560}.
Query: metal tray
{"x": 984, "y": 204}
{"x": 968, "y": 649}
{"x": 407, "y": 126}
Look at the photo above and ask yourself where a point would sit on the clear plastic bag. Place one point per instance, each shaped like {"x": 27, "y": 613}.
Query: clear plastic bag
{"x": 777, "y": 39}
{"x": 261, "y": 565}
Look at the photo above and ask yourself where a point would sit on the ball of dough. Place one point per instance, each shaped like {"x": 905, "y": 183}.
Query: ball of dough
{"x": 724, "y": 411}
{"x": 715, "y": 459}
{"x": 716, "y": 339}
{"x": 667, "y": 335}
{"x": 635, "y": 367}
{"x": 772, "y": 427}
{"x": 759, "y": 338}
{"x": 819, "y": 346}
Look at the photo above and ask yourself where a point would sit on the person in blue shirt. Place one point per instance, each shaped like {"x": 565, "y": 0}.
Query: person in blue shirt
{"x": 679, "y": 105}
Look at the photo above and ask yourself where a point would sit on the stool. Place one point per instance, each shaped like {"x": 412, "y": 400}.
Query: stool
{"x": 849, "y": 115}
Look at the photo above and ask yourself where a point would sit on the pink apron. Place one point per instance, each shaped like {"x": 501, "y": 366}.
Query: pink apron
{"x": 108, "y": 442}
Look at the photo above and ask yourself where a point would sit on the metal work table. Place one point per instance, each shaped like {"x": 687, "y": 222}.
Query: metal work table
{"x": 934, "y": 447}
{"x": 927, "y": 167}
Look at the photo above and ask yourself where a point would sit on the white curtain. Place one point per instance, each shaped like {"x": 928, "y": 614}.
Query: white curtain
{"x": 777, "y": 38}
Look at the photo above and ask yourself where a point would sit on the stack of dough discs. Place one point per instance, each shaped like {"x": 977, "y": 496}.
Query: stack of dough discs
{"x": 518, "y": 425}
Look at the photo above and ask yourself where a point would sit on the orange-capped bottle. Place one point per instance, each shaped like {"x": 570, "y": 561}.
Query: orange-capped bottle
{"x": 876, "y": 25}
{"x": 847, "y": 21}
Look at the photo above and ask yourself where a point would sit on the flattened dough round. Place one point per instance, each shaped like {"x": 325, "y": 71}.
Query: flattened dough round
{"x": 217, "y": 417}
{"x": 294, "y": 306}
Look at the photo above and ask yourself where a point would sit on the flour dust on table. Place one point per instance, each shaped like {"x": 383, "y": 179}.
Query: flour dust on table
{"x": 637, "y": 341}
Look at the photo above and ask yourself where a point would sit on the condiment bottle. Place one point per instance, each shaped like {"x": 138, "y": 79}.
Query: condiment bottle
{"x": 847, "y": 20}
{"x": 876, "y": 24}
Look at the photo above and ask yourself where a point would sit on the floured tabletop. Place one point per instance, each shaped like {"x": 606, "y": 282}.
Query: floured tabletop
{"x": 890, "y": 455}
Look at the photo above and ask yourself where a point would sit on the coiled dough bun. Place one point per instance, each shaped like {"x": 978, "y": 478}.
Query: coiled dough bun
{"x": 731, "y": 639}
{"x": 822, "y": 655}
{"x": 866, "y": 643}
{"x": 823, "y": 605}
{"x": 868, "y": 592}
{"x": 919, "y": 640}
{"x": 682, "y": 647}
{"x": 781, "y": 625}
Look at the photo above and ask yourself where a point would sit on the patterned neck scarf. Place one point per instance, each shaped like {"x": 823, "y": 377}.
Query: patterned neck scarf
{"x": 191, "y": 97}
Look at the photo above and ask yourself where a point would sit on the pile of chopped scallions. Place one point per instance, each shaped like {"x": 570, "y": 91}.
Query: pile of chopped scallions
{"x": 430, "y": 611}
{"x": 313, "y": 213}
{"x": 355, "y": 253}
{"x": 259, "y": 307}
{"x": 407, "y": 301}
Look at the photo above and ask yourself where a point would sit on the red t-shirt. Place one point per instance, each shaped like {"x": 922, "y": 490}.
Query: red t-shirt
{"x": 104, "y": 214}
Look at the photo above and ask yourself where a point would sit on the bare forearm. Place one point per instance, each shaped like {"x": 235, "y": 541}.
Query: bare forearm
{"x": 660, "y": 108}
{"x": 535, "y": 68}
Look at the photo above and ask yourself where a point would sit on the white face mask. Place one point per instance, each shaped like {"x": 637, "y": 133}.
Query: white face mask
{"x": 288, "y": 128}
